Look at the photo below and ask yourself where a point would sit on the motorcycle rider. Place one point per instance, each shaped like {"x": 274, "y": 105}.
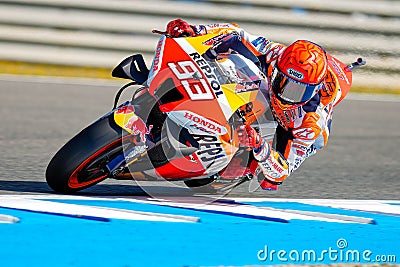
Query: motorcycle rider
{"x": 302, "y": 90}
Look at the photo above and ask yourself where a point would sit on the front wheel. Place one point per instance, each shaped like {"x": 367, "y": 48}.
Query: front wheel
{"x": 80, "y": 163}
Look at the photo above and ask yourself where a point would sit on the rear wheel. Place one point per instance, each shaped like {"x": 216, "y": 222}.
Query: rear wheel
{"x": 81, "y": 162}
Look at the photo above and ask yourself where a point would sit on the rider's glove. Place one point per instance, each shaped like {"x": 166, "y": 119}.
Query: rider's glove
{"x": 274, "y": 167}
{"x": 249, "y": 137}
{"x": 179, "y": 28}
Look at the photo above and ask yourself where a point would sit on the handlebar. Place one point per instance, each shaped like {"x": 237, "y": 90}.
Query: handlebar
{"x": 359, "y": 63}
{"x": 159, "y": 32}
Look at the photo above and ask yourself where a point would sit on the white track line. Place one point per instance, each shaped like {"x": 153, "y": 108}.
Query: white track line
{"x": 8, "y": 219}
{"x": 38, "y": 203}
{"x": 88, "y": 212}
{"x": 241, "y": 210}
{"x": 374, "y": 206}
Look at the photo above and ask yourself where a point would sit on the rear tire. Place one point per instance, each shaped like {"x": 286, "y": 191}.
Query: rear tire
{"x": 80, "y": 163}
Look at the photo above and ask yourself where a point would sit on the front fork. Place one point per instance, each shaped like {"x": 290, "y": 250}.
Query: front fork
{"x": 135, "y": 144}
{"x": 119, "y": 164}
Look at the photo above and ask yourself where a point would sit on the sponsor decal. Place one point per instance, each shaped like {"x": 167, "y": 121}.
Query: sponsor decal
{"x": 205, "y": 124}
{"x": 137, "y": 127}
{"x": 214, "y": 40}
{"x": 275, "y": 165}
{"x": 126, "y": 118}
{"x": 197, "y": 123}
{"x": 267, "y": 169}
{"x": 300, "y": 149}
{"x": 261, "y": 44}
{"x": 135, "y": 124}
{"x": 137, "y": 150}
{"x": 247, "y": 86}
{"x": 208, "y": 72}
{"x": 219, "y": 25}
{"x": 200, "y": 30}
{"x": 305, "y": 133}
{"x": 205, "y": 71}
{"x": 295, "y": 74}
{"x": 339, "y": 71}
{"x": 258, "y": 41}
{"x": 199, "y": 84}
{"x": 297, "y": 162}
{"x": 210, "y": 148}
{"x": 157, "y": 55}
{"x": 299, "y": 112}
{"x": 191, "y": 79}
{"x": 311, "y": 151}
{"x": 128, "y": 109}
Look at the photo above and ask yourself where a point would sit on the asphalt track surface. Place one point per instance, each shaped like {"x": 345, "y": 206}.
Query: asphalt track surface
{"x": 38, "y": 116}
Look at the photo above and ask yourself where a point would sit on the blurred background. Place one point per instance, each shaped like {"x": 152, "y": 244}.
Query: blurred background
{"x": 87, "y": 38}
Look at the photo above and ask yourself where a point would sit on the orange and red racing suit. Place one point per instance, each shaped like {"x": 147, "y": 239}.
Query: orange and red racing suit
{"x": 302, "y": 131}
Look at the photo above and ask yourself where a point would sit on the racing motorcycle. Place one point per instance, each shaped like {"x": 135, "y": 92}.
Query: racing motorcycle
{"x": 180, "y": 123}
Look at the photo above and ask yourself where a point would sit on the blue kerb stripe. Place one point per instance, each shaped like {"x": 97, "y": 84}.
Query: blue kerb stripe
{"x": 85, "y": 217}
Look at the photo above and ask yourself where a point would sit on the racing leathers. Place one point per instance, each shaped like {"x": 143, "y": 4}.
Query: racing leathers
{"x": 301, "y": 131}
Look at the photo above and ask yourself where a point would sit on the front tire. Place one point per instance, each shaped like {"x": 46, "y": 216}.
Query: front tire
{"x": 80, "y": 163}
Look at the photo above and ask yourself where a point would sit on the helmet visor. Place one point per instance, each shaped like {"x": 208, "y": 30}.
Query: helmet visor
{"x": 290, "y": 91}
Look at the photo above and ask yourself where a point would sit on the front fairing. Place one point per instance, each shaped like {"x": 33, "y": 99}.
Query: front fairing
{"x": 202, "y": 96}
